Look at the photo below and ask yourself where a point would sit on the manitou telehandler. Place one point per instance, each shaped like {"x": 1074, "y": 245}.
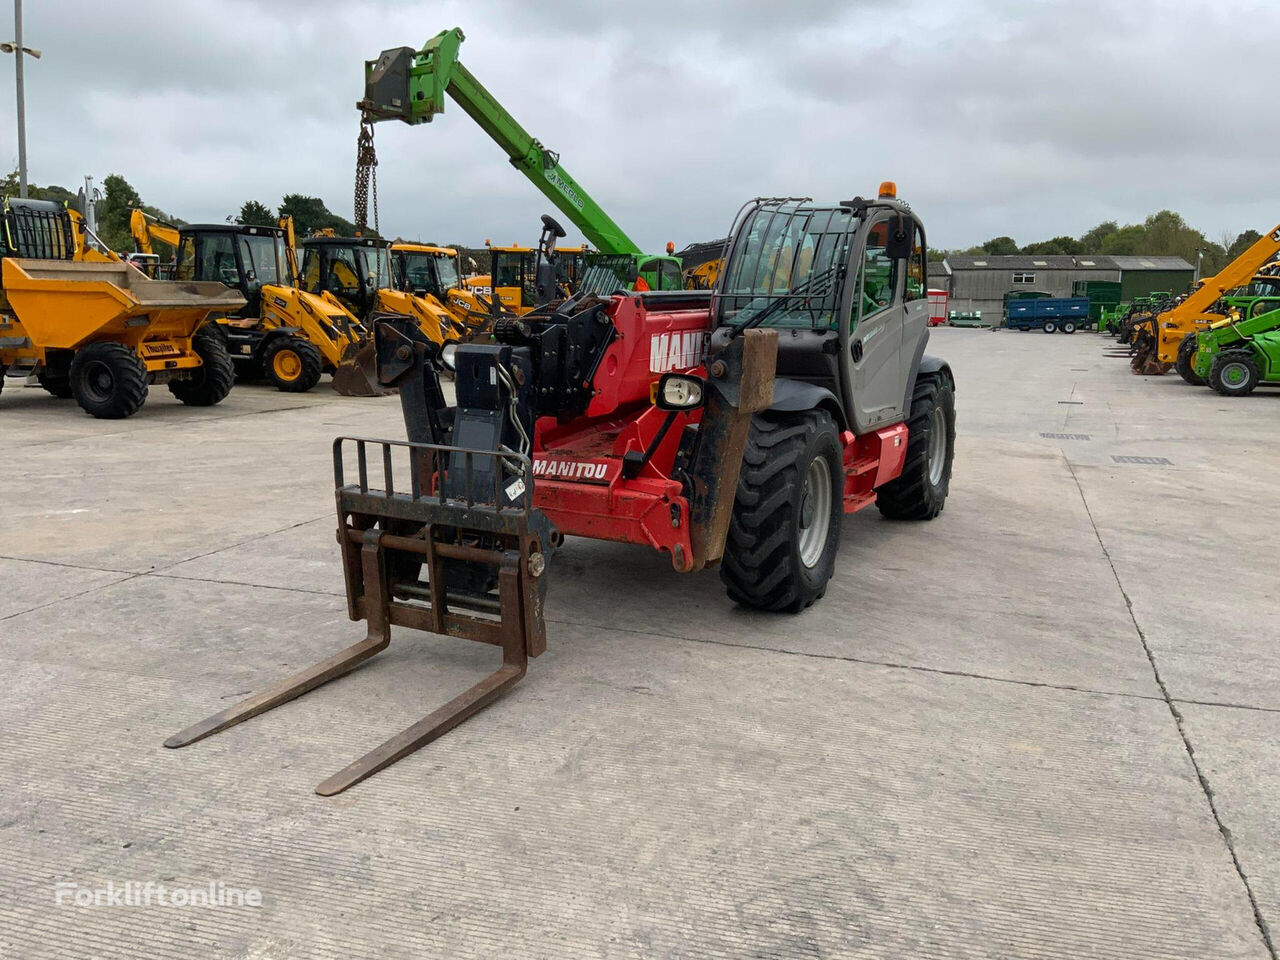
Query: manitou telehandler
{"x": 729, "y": 428}
{"x": 1156, "y": 340}
{"x": 87, "y": 325}
{"x": 283, "y": 333}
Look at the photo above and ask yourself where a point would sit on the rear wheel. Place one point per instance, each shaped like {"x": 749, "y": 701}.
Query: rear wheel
{"x": 209, "y": 383}
{"x": 920, "y": 491}
{"x": 785, "y": 529}
{"x": 1068, "y": 327}
{"x": 292, "y": 364}
{"x": 1234, "y": 373}
{"x": 108, "y": 381}
{"x": 1049, "y": 326}
{"x": 1186, "y": 362}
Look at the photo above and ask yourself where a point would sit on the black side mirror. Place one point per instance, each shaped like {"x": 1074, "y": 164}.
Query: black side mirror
{"x": 899, "y": 243}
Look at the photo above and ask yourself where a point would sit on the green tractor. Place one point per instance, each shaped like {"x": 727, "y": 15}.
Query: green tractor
{"x": 1235, "y": 355}
{"x": 1247, "y": 303}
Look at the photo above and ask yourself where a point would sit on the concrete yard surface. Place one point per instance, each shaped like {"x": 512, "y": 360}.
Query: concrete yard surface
{"x": 1045, "y": 724}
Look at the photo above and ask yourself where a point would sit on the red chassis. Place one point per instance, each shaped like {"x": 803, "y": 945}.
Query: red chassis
{"x": 578, "y": 467}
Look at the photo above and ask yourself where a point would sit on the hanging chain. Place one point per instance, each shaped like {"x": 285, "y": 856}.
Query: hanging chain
{"x": 366, "y": 183}
{"x": 366, "y": 177}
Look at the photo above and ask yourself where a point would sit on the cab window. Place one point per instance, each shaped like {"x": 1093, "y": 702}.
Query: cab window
{"x": 915, "y": 267}
{"x": 218, "y": 259}
{"x": 343, "y": 277}
{"x": 669, "y": 276}
{"x": 186, "y": 268}
{"x": 878, "y": 275}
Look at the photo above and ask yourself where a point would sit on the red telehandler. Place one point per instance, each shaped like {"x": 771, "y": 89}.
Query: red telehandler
{"x": 727, "y": 428}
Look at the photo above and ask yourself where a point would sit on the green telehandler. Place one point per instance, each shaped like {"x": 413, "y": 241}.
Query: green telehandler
{"x": 410, "y": 85}
{"x": 1235, "y": 355}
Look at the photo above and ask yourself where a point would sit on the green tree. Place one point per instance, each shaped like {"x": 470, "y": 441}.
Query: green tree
{"x": 118, "y": 200}
{"x": 1092, "y": 241}
{"x": 1000, "y": 247}
{"x": 255, "y": 214}
{"x": 1058, "y": 245}
{"x": 1243, "y": 242}
{"x": 310, "y": 214}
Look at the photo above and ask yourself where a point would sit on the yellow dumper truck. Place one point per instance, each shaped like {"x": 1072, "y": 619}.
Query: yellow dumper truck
{"x": 96, "y": 328}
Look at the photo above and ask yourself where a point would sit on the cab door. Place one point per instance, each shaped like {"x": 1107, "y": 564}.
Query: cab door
{"x": 877, "y": 317}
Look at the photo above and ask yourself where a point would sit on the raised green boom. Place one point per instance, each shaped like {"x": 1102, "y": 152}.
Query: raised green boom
{"x": 410, "y": 85}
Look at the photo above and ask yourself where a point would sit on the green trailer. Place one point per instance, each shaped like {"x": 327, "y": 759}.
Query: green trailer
{"x": 1102, "y": 294}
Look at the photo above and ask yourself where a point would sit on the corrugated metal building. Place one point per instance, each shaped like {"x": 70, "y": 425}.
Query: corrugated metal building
{"x": 981, "y": 282}
{"x": 1142, "y": 275}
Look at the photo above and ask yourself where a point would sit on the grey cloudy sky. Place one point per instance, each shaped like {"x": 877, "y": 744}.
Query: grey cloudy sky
{"x": 1024, "y": 117}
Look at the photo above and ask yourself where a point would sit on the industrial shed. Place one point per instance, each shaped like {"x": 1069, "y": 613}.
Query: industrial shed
{"x": 981, "y": 282}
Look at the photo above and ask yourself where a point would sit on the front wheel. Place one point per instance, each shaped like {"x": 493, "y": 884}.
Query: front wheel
{"x": 1049, "y": 326}
{"x": 1234, "y": 373}
{"x": 108, "y": 380}
{"x": 785, "y": 529}
{"x": 1185, "y": 364}
{"x": 920, "y": 491}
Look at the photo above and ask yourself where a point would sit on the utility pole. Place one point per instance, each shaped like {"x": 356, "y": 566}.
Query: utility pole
{"x": 18, "y": 50}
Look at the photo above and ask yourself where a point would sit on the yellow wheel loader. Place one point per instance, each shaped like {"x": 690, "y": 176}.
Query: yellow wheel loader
{"x": 88, "y": 325}
{"x": 283, "y": 334}
{"x": 358, "y": 273}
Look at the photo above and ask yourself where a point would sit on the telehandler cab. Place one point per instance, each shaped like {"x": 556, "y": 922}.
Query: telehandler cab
{"x": 283, "y": 333}
{"x": 731, "y": 428}
{"x": 88, "y": 325}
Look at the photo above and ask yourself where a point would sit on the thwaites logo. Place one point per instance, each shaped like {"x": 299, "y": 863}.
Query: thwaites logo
{"x": 570, "y": 469}
{"x": 679, "y": 350}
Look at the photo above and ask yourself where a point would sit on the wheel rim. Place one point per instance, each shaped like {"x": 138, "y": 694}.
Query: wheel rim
{"x": 815, "y": 512}
{"x": 99, "y": 381}
{"x": 1235, "y": 375}
{"x": 286, "y": 365}
{"x": 937, "y": 445}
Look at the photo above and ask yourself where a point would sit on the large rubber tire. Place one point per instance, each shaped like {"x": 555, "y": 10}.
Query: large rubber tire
{"x": 920, "y": 491}
{"x": 1234, "y": 373}
{"x": 785, "y": 528}
{"x": 1068, "y": 326}
{"x": 292, "y": 364}
{"x": 209, "y": 383}
{"x": 60, "y": 387}
{"x": 108, "y": 381}
{"x": 1049, "y": 326}
{"x": 1185, "y": 364}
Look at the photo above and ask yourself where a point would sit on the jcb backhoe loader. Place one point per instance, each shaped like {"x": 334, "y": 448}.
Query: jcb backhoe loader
{"x": 1158, "y": 339}
{"x": 358, "y": 273}
{"x": 429, "y": 271}
{"x": 283, "y": 333}
{"x": 88, "y": 325}
{"x": 731, "y": 429}
{"x": 512, "y": 278}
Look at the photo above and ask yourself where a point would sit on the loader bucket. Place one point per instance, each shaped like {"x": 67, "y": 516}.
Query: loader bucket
{"x": 357, "y": 374}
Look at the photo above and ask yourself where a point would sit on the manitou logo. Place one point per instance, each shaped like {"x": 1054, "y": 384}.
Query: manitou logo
{"x": 571, "y": 469}
{"x": 676, "y": 351}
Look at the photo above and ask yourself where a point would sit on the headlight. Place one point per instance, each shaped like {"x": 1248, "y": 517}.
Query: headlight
{"x": 679, "y": 391}
{"x": 448, "y": 354}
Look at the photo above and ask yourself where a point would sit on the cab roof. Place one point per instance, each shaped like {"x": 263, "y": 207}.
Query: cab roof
{"x": 344, "y": 242}
{"x": 423, "y": 248}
